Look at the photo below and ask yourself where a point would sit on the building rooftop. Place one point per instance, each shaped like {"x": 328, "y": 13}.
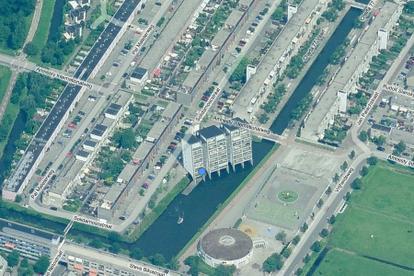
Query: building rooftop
{"x": 210, "y": 132}
{"x": 226, "y": 244}
{"x": 29, "y": 233}
{"x": 90, "y": 143}
{"x": 193, "y": 139}
{"x": 139, "y": 73}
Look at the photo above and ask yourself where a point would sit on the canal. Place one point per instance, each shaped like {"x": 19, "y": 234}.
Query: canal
{"x": 10, "y": 148}
{"x": 315, "y": 71}
{"x": 57, "y": 20}
{"x": 167, "y": 237}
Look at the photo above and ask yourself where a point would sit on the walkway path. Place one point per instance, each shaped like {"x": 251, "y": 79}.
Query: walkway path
{"x": 6, "y": 98}
{"x": 35, "y": 22}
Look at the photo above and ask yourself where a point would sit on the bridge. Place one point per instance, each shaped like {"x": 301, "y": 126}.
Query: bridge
{"x": 261, "y": 132}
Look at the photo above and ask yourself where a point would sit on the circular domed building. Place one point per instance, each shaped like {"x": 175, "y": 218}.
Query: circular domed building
{"x": 225, "y": 246}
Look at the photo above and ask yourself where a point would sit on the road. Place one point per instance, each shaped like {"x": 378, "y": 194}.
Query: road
{"x": 35, "y": 22}
{"x": 336, "y": 199}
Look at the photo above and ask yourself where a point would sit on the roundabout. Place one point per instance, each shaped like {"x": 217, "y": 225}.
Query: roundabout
{"x": 288, "y": 196}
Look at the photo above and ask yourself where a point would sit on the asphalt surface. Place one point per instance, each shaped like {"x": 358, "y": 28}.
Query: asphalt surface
{"x": 71, "y": 91}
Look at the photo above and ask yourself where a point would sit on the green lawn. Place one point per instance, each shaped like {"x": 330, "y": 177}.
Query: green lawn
{"x": 341, "y": 263}
{"x": 391, "y": 240}
{"x": 387, "y": 191}
{"x": 379, "y": 223}
{"x": 5, "y": 74}
{"x": 42, "y": 31}
{"x": 12, "y": 111}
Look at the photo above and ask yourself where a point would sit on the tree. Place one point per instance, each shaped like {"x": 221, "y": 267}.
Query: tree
{"x": 364, "y": 171}
{"x": 328, "y": 190}
{"x": 299, "y": 271}
{"x": 31, "y": 49}
{"x": 372, "y": 161}
{"x": 332, "y": 219}
{"x": 192, "y": 262}
{"x": 272, "y": 263}
{"x": 115, "y": 248}
{"x": 352, "y": 154}
{"x": 324, "y": 233}
{"x": 320, "y": 203}
{"x": 136, "y": 253}
{"x": 281, "y": 236}
{"x": 157, "y": 259}
{"x": 380, "y": 140}
{"x": 347, "y": 196}
{"x": 41, "y": 264}
{"x": 316, "y": 246}
{"x": 286, "y": 252}
{"x": 336, "y": 178}
{"x": 13, "y": 258}
{"x": 25, "y": 269}
{"x": 96, "y": 243}
{"x": 304, "y": 227}
{"x": 307, "y": 258}
{"x": 356, "y": 184}
{"x": 124, "y": 138}
{"x": 114, "y": 236}
{"x": 224, "y": 270}
{"x": 344, "y": 166}
{"x": 296, "y": 239}
{"x": 399, "y": 148}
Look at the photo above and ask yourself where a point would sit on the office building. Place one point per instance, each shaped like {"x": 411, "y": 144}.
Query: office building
{"x": 28, "y": 241}
{"x": 212, "y": 149}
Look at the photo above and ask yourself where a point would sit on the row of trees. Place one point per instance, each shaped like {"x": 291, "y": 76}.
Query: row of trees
{"x": 13, "y": 22}
{"x": 25, "y": 268}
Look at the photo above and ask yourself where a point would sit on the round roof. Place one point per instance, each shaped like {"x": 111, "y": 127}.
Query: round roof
{"x": 226, "y": 244}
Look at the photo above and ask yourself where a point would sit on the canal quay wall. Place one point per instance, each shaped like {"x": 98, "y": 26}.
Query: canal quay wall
{"x": 316, "y": 69}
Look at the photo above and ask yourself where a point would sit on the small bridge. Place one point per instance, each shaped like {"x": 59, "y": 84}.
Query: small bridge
{"x": 261, "y": 132}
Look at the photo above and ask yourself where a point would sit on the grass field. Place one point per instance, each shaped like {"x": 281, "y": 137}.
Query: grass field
{"x": 378, "y": 223}
{"x": 42, "y": 31}
{"x": 341, "y": 263}
{"x": 5, "y": 74}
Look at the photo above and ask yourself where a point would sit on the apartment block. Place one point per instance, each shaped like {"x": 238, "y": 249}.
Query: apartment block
{"x": 239, "y": 143}
{"x": 212, "y": 149}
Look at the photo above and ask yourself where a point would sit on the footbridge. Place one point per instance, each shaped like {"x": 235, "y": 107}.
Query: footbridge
{"x": 261, "y": 132}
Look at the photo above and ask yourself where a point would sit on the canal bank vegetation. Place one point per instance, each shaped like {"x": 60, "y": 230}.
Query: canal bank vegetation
{"x": 28, "y": 98}
{"x": 331, "y": 14}
{"x": 158, "y": 210}
{"x": 298, "y": 61}
{"x": 197, "y": 266}
{"x": 15, "y": 20}
{"x": 5, "y": 74}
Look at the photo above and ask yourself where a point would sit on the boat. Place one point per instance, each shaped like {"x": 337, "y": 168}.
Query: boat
{"x": 180, "y": 220}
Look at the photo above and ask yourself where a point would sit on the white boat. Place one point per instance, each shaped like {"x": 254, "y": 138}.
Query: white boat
{"x": 180, "y": 220}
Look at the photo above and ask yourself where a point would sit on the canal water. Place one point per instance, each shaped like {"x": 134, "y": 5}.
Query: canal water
{"x": 57, "y": 20}
{"x": 315, "y": 71}
{"x": 167, "y": 237}
{"x": 10, "y": 148}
